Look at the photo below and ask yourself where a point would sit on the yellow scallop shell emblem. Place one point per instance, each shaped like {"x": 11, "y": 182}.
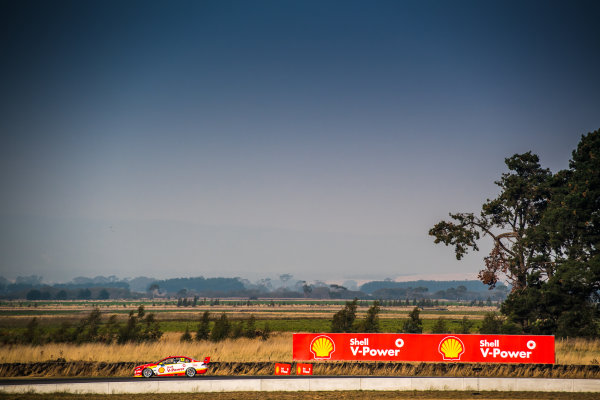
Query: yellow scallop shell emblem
{"x": 161, "y": 370}
{"x": 451, "y": 348}
{"x": 322, "y": 347}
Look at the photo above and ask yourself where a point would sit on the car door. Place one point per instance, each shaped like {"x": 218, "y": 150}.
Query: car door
{"x": 185, "y": 363}
{"x": 173, "y": 366}
{"x": 179, "y": 365}
{"x": 170, "y": 366}
{"x": 164, "y": 366}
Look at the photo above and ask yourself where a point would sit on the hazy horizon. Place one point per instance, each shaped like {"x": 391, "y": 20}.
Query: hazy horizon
{"x": 274, "y": 282}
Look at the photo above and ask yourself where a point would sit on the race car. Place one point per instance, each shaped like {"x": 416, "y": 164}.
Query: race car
{"x": 173, "y": 366}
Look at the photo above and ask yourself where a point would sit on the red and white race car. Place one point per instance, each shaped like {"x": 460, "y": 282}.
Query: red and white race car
{"x": 173, "y": 366}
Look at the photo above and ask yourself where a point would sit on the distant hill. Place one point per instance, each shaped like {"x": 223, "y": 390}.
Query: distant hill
{"x": 208, "y": 286}
{"x": 112, "y": 287}
{"x": 432, "y": 286}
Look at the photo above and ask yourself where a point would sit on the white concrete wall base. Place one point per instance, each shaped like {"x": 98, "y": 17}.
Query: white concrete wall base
{"x": 313, "y": 384}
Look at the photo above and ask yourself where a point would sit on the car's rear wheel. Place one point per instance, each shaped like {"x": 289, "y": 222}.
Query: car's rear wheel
{"x": 190, "y": 372}
{"x": 147, "y": 373}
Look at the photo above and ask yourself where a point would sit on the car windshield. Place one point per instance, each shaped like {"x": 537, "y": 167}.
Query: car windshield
{"x": 175, "y": 360}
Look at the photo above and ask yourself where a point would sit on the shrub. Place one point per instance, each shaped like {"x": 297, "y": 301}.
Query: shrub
{"x": 33, "y": 333}
{"x": 237, "y": 330}
{"x": 221, "y": 329}
{"x": 186, "y": 337}
{"x": 414, "y": 324}
{"x": 371, "y": 323}
{"x": 510, "y": 328}
{"x": 111, "y": 330}
{"x": 266, "y": 332}
{"x": 250, "y": 331}
{"x": 491, "y": 324}
{"x": 344, "y": 319}
{"x": 465, "y": 325}
{"x": 152, "y": 329}
{"x": 440, "y": 326}
{"x": 203, "y": 331}
{"x": 139, "y": 329}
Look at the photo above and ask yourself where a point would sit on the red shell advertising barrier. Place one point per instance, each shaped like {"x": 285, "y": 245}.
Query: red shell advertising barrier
{"x": 304, "y": 369}
{"x": 424, "y": 347}
{"x": 283, "y": 369}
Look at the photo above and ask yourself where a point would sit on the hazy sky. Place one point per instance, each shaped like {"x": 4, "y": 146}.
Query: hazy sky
{"x": 254, "y": 138}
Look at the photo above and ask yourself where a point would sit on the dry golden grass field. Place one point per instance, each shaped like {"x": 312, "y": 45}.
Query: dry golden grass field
{"x": 277, "y": 348}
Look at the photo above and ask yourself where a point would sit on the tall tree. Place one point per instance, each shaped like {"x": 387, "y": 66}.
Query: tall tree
{"x": 545, "y": 231}
{"x": 566, "y": 302}
{"x": 507, "y": 220}
{"x": 573, "y": 219}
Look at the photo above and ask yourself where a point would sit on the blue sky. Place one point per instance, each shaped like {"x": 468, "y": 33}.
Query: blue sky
{"x": 254, "y": 138}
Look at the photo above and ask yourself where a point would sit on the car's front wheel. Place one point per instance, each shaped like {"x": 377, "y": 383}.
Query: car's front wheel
{"x": 190, "y": 372}
{"x": 147, "y": 373}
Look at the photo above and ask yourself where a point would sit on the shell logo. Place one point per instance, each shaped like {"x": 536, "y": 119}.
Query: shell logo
{"x": 322, "y": 347}
{"x": 451, "y": 348}
{"x": 161, "y": 370}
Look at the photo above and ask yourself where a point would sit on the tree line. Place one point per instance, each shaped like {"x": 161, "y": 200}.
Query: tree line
{"x": 102, "y": 288}
{"x": 223, "y": 329}
{"x": 140, "y": 327}
{"x": 344, "y": 321}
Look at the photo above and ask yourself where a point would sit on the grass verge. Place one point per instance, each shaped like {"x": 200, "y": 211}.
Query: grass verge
{"x": 425, "y": 395}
